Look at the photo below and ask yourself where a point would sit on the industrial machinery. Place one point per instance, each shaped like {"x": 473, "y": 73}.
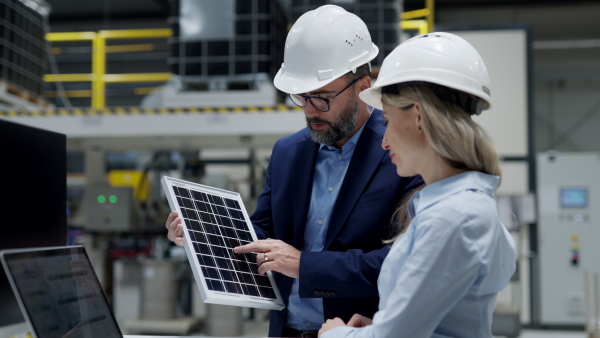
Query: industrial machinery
{"x": 568, "y": 213}
{"x": 109, "y": 209}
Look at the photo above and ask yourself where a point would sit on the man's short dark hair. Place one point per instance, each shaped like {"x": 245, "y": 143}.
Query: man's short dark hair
{"x": 361, "y": 71}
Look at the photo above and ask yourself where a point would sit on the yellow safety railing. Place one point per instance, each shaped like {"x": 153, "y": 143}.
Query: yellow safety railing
{"x": 423, "y": 26}
{"x": 98, "y": 77}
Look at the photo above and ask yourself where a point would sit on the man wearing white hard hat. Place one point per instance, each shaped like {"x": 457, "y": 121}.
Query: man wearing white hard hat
{"x": 330, "y": 190}
{"x": 452, "y": 255}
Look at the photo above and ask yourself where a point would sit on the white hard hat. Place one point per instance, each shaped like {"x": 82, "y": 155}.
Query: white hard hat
{"x": 440, "y": 58}
{"x": 323, "y": 45}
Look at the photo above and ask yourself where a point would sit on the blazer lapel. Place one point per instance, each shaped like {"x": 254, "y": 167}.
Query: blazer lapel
{"x": 365, "y": 160}
{"x": 304, "y": 168}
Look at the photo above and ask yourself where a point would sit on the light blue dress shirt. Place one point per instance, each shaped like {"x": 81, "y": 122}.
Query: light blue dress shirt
{"x": 441, "y": 277}
{"x": 306, "y": 314}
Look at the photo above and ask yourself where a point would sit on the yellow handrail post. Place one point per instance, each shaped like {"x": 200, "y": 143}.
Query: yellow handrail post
{"x": 429, "y": 4}
{"x": 99, "y": 69}
{"x": 420, "y": 25}
{"x": 425, "y": 25}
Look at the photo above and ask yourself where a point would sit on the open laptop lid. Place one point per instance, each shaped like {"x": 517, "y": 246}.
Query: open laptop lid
{"x": 59, "y": 293}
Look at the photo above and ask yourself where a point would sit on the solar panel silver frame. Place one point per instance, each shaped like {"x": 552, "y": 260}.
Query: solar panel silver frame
{"x": 211, "y": 296}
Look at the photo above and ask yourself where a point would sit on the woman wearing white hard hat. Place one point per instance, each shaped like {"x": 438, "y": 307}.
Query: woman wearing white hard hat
{"x": 452, "y": 254}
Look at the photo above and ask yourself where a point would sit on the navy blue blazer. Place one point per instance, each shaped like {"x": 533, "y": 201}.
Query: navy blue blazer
{"x": 345, "y": 273}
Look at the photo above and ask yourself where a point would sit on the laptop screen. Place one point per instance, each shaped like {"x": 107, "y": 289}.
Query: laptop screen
{"x": 60, "y": 293}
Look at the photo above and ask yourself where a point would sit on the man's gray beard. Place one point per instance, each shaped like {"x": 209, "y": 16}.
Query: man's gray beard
{"x": 344, "y": 126}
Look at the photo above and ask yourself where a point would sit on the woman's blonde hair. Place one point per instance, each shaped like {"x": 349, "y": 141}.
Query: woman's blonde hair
{"x": 452, "y": 133}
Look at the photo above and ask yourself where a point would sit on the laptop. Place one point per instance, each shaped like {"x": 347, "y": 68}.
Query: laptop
{"x": 59, "y": 293}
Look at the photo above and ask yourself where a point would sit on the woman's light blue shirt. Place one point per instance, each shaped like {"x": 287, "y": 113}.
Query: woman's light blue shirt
{"x": 442, "y": 275}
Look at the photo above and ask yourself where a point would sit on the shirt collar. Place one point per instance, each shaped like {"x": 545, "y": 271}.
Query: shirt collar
{"x": 436, "y": 191}
{"x": 352, "y": 141}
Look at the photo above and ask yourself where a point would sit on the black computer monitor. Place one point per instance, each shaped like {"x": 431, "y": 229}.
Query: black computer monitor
{"x": 33, "y": 179}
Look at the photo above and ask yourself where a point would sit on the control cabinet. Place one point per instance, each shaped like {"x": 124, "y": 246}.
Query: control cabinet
{"x": 568, "y": 186}
{"x": 109, "y": 209}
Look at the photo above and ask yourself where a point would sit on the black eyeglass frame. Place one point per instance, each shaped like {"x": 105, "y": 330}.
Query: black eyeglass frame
{"x": 327, "y": 101}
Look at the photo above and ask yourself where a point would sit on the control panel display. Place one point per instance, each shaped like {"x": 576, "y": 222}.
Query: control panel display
{"x": 573, "y": 197}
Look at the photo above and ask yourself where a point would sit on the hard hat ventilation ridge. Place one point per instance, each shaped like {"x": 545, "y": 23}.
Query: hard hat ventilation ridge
{"x": 351, "y": 43}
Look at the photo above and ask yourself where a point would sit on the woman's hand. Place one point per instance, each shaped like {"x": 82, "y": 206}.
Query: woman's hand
{"x": 359, "y": 321}
{"x": 330, "y": 324}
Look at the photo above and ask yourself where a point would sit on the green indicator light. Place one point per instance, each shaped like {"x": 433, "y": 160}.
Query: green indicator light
{"x": 101, "y": 199}
{"x": 113, "y": 198}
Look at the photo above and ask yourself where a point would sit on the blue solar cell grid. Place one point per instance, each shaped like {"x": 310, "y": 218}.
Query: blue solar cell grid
{"x": 215, "y": 225}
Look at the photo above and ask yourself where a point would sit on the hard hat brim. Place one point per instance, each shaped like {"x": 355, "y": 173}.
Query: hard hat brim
{"x": 372, "y": 97}
{"x": 294, "y": 85}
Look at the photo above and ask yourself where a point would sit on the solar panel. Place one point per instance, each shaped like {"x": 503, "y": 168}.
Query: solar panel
{"x": 214, "y": 222}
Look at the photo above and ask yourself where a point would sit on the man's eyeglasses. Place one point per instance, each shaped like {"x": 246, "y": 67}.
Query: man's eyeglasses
{"x": 319, "y": 103}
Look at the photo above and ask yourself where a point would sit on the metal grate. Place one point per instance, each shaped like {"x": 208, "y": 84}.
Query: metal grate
{"x": 22, "y": 44}
{"x": 255, "y": 46}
